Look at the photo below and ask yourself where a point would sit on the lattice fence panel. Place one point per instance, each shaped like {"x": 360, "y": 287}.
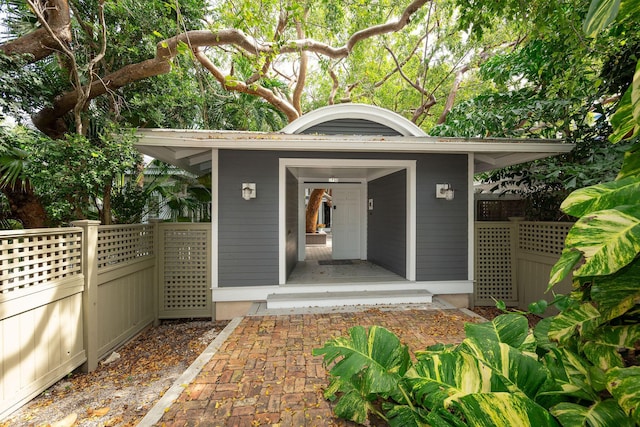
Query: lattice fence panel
{"x": 186, "y": 271}
{"x": 544, "y": 238}
{"x": 119, "y": 244}
{"x": 28, "y": 259}
{"x": 495, "y": 269}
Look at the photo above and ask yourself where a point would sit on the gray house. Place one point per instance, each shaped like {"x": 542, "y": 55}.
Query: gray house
{"x": 402, "y": 205}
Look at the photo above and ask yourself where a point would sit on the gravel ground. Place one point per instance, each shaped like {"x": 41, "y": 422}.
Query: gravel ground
{"x": 121, "y": 392}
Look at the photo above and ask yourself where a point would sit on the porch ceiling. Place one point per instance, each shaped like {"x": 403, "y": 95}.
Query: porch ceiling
{"x": 191, "y": 149}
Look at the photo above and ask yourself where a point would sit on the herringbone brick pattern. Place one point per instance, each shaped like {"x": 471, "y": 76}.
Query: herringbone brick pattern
{"x": 265, "y": 375}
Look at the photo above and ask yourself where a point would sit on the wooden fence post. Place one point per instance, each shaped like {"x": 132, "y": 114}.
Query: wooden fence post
{"x": 515, "y": 256}
{"x": 90, "y": 294}
{"x": 157, "y": 288}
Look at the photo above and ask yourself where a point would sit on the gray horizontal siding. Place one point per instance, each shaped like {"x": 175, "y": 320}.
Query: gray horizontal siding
{"x": 248, "y": 230}
{"x": 351, "y": 127}
{"x": 441, "y": 225}
{"x": 386, "y": 223}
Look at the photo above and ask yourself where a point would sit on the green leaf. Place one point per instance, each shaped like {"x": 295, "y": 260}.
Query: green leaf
{"x": 375, "y": 354}
{"x": 602, "y": 196}
{"x": 405, "y": 415}
{"x": 609, "y": 240}
{"x": 618, "y": 293}
{"x": 541, "y": 333}
{"x": 631, "y": 163}
{"x": 564, "y": 266}
{"x": 603, "y": 346}
{"x": 511, "y": 329}
{"x": 601, "y": 13}
{"x": 521, "y": 373}
{"x": 503, "y": 409}
{"x": 624, "y": 385}
{"x": 538, "y": 307}
{"x": 601, "y": 414}
{"x": 581, "y": 319}
{"x": 602, "y": 355}
{"x": 442, "y": 418}
{"x": 626, "y": 119}
{"x": 437, "y": 380}
{"x": 353, "y": 406}
{"x": 570, "y": 373}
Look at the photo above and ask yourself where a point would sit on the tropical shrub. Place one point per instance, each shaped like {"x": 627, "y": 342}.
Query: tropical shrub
{"x": 579, "y": 368}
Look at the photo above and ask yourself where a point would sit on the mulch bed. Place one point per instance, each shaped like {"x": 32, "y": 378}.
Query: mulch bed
{"x": 490, "y": 313}
{"x": 121, "y": 392}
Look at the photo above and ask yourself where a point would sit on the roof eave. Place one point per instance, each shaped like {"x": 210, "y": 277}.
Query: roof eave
{"x": 186, "y": 148}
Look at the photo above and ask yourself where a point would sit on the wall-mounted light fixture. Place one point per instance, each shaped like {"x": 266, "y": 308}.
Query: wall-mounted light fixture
{"x": 248, "y": 190}
{"x": 444, "y": 191}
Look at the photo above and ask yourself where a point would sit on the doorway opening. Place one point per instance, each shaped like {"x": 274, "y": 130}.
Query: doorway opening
{"x": 338, "y": 252}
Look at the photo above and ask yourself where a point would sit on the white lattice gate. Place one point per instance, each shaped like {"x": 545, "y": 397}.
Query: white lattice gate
{"x": 185, "y": 271}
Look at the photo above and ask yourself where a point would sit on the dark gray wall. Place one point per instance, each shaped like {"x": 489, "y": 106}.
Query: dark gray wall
{"x": 351, "y": 127}
{"x": 441, "y": 234}
{"x": 248, "y": 230}
{"x": 248, "y": 243}
{"x": 292, "y": 222}
{"x": 387, "y": 222}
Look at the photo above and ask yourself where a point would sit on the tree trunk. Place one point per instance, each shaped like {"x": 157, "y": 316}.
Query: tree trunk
{"x": 315, "y": 200}
{"x": 26, "y": 206}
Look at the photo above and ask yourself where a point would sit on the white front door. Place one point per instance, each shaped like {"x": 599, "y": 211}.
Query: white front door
{"x": 346, "y": 222}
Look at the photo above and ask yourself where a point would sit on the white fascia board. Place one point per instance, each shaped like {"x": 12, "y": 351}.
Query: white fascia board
{"x": 285, "y": 142}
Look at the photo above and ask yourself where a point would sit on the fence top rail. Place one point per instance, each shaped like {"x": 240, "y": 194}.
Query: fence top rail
{"x": 8, "y": 234}
{"x": 195, "y": 225}
{"x": 123, "y": 226}
{"x": 540, "y": 223}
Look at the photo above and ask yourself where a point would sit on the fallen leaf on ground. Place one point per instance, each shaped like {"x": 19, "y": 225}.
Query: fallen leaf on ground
{"x": 98, "y": 412}
{"x": 67, "y": 421}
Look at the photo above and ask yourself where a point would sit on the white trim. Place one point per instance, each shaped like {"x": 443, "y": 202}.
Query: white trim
{"x": 215, "y": 182}
{"x": 470, "y": 218}
{"x": 260, "y": 293}
{"x": 302, "y": 225}
{"x": 412, "y": 195}
{"x": 282, "y": 223}
{"x": 409, "y": 165}
{"x": 372, "y": 113}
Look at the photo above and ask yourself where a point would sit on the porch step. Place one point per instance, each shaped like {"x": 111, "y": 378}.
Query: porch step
{"x": 338, "y": 298}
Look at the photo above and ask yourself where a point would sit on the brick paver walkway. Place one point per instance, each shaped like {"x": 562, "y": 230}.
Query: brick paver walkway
{"x": 265, "y": 375}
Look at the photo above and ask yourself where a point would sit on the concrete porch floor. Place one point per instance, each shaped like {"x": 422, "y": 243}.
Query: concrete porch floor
{"x": 311, "y": 271}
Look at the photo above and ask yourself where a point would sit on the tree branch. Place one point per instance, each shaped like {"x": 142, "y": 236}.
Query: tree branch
{"x": 41, "y": 43}
{"x": 253, "y": 89}
{"x": 47, "y": 119}
{"x": 302, "y": 72}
